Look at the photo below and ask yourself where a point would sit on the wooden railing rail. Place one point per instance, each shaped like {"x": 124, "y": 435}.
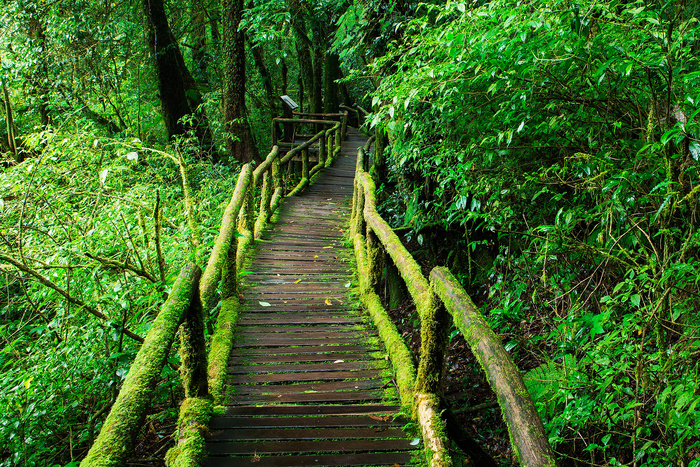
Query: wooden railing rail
{"x": 118, "y": 434}
{"x": 437, "y": 302}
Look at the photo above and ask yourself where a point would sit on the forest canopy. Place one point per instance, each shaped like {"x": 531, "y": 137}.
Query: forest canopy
{"x": 545, "y": 151}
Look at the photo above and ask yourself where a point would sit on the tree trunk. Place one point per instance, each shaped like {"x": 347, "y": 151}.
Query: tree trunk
{"x": 317, "y": 92}
{"x": 265, "y": 75}
{"x": 166, "y": 53}
{"x": 331, "y": 100}
{"x": 239, "y": 138}
{"x": 306, "y": 74}
{"x": 11, "y": 141}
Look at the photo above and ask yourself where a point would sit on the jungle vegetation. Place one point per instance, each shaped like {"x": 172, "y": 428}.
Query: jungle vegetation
{"x": 545, "y": 151}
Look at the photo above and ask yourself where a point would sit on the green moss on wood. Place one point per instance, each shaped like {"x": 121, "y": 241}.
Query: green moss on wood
{"x": 190, "y": 434}
{"x": 193, "y": 351}
{"x": 434, "y": 326}
{"x": 221, "y": 344}
{"x": 399, "y": 354}
{"x": 116, "y": 439}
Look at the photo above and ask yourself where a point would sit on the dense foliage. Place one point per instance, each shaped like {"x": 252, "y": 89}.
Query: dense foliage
{"x": 556, "y": 145}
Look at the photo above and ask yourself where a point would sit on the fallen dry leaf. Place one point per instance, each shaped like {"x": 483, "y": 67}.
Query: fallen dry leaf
{"x": 316, "y": 256}
{"x": 255, "y": 458}
{"x": 381, "y": 418}
{"x": 328, "y": 302}
{"x": 297, "y": 281}
{"x": 326, "y": 247}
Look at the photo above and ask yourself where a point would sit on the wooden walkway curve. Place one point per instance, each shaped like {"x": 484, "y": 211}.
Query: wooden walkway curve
{"x": 309, "y": 383}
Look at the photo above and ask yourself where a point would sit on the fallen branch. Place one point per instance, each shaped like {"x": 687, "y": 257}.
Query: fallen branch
{"x": 126, "y": 266}
{"x": 44, "y": 281}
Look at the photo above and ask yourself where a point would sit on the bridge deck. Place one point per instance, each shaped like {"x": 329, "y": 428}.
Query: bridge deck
{"x": 309, "y": 382}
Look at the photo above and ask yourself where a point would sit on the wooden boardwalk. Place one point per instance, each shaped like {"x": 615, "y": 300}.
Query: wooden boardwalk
{"x": 309, "y": 382}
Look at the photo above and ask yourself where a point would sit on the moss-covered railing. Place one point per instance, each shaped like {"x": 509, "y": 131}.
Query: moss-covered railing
{"x": 439, "y": 301}
{"x": 193, "y": 296}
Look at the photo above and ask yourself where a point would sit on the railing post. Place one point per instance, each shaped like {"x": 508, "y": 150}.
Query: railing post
{"x": 374, "y": 257}
{"x": 193, "y": 351}
{"x": 322, "y": 149}
{"x": 305, "y": 163}
{"x": 245, "y": 225}
{"x": 344, "y": 120}
{"x": 265, "y": 199}
{"x": 434, "y": 326}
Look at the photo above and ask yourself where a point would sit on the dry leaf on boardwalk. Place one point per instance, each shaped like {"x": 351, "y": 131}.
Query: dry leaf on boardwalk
{"x": 328, "y": 302}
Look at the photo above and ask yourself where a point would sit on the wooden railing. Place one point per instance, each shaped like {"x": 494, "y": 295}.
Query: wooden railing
{"x": 192, "y": 297}
{"x": 439, "y": 301}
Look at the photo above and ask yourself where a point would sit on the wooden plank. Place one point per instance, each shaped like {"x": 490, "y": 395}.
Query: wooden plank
{"x": 304, "y": 367}
{"x": 332, "y": 347}
{"x": 279, "y": 434}
{"x": 300, "y": 377}
{"x": 296, "y": 358}
{"x": 323, "y": 386}
{"x": 302, "y": 398}
{"x": 324, "y": 421}
{"x": 268, "y": 447}
{"x": 329, "y": 460}
{"x": 282, "y": 410}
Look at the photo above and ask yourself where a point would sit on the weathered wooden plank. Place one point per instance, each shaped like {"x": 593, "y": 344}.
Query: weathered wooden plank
{"x": 349, "y": 445}
{"x": 329, "y": 460}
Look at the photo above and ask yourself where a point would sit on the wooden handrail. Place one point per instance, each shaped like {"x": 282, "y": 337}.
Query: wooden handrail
{"x": 524, "y": 424}
{"x": 118, "y": 434}
{"x": 371, "y": 235}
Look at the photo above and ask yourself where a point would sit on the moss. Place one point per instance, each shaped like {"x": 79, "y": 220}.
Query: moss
{"x": 434, "y": 327}
{"x": 399, "y": 354}
{"x": 221, "y": 344}
{"x": 300, "y": 187}
{"x": 193, "y": 351}
{"x": 124, "y": 421}
{"x": 191, "y": 429}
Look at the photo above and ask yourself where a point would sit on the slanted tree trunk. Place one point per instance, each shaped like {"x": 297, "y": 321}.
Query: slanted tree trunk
{"x": 11, "y": 142}
{"x": 239, "y": 137}
{"x": 178, "y": 93}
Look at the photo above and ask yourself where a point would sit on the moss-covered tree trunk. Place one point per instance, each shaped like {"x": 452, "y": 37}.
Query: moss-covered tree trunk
{"x": 239, "y": 138}
{"x": 39, "y": 78}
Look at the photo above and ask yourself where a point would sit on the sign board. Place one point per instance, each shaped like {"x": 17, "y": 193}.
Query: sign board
{"x": 290, "y": 102}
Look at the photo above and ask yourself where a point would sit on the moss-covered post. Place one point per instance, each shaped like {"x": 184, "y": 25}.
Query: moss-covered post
{"x": 116, "y": 439}
{"x": 193, "y": 351}
{"x": 337, "y": 143}
{"x": 394, "y": 285}
{"x": 305, "y": 163}
{"x": 265, "y": 200}
{"x": 434, "y": 326}
{"x": 322, "y": 150}
{"x": 374, "y": 259}
{"x": 245, "y": 226}
{"x": 344, "y": 128}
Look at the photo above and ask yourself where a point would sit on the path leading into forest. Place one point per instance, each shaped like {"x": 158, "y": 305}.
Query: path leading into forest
{"x": 309, "y": 381}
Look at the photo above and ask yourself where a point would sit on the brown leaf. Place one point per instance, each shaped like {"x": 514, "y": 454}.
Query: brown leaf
{"x": 381, "y": 418}
{"x": 255, "y": 458}
{"x": 327, "y": 247}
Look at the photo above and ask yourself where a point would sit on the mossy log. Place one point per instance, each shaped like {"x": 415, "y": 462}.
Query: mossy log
{"x": 408, "y": 268}
{"x": 117, "y": 436}
{"x": 261, "y": 169}
{"x": 433, "y": 430}
{"x": 527, "y": 434}
{"x": 193, "y": 351}
{"x": 220, "y": 252}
